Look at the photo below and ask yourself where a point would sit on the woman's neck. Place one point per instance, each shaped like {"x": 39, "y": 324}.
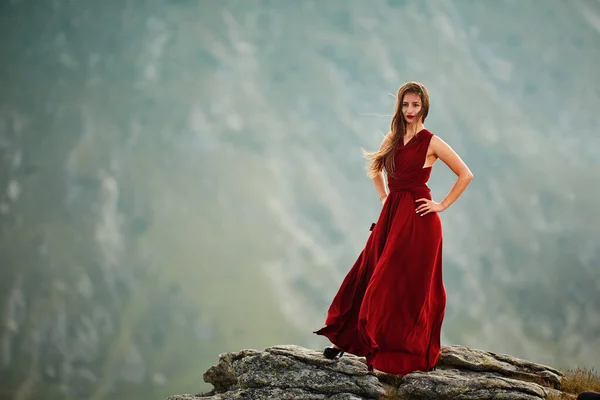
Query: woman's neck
{"x": 412, "y": 129}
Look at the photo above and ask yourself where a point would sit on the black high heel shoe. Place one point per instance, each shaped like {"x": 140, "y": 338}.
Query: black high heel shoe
{"x": 332, "y": 352}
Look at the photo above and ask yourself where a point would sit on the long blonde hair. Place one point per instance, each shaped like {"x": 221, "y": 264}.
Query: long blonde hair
{"x": 384, "y": 157}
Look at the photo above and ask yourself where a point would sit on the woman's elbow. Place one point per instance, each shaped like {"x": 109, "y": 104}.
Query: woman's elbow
{"x": 466, "y": 175}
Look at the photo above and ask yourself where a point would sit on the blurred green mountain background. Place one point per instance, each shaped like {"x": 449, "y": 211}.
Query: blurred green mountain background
{"x": 181, "y": 178}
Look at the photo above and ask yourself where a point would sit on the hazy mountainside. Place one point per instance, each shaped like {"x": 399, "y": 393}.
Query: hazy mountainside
{"x": 182, "y": 178}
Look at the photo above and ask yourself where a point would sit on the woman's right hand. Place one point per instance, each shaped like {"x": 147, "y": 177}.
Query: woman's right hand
{"x": 383, "y": 199}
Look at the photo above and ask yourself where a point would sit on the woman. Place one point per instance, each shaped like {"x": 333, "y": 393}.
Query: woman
{"x": 391, "y": 304}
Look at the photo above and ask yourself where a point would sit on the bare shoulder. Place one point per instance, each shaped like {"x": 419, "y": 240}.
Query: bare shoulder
{"x": 447, "y": 154}
{"x": 438, "y": 145}
{"x": 435, "y": 139}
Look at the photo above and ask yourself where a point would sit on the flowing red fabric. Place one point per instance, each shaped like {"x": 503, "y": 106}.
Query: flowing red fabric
{"x": 391, "y": 304}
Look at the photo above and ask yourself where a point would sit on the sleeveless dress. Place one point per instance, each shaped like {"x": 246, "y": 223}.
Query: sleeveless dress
{"x": 391, "y": 304}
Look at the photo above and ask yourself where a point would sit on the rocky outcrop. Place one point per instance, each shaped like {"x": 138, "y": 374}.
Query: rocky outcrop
{"x": 293, "y": 372}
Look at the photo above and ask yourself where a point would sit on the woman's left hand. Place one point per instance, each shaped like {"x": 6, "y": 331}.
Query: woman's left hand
{"x": 429, "y": 206}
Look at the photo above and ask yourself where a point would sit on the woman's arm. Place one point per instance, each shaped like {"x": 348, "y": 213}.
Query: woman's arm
{"x": 445, "y": 153}
{"x": 379, "y": 180}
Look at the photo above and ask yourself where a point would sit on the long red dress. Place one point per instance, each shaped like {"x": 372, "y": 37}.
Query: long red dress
{"x": 390, "y": 306}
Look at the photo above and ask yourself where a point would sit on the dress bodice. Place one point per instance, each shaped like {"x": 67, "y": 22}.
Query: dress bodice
{"x": 409, "y": 174}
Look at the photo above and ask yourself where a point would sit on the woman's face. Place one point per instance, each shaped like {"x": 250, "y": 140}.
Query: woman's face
{"x": 411, "y": 106}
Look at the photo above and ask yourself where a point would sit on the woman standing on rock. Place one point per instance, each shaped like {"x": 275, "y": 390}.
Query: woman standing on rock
{"x": 390, "y": 306}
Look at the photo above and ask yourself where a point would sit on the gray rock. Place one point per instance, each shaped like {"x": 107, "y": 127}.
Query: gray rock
{"x": 274, "y": 394}
{"x": 293, "y": 372}
{"x": 485, "y": 361}
{"x": 468, "y": 385}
